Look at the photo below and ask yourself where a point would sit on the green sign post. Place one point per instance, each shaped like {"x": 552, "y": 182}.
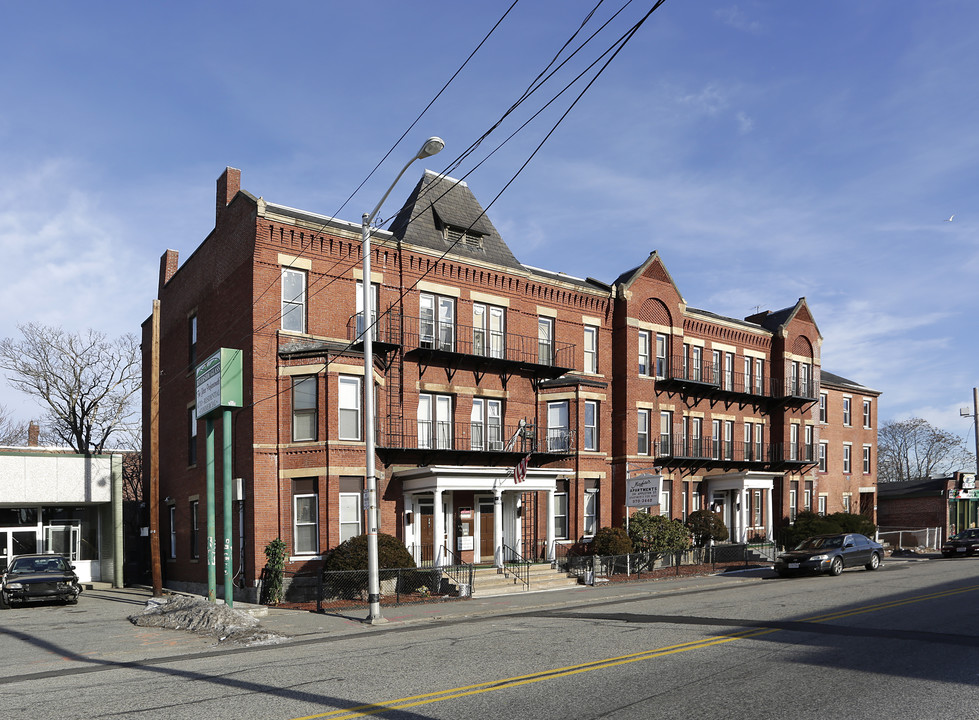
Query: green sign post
{"x": 219, "y": 388}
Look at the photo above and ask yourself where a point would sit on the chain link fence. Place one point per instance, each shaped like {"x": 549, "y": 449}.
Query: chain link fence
{"x": 338, "y": 591}
{"x": 910, "y": 538}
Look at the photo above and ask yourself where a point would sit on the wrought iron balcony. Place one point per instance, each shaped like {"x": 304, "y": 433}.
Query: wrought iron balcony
{"x": 710, "y": 377}
{"x": 437, "y": 337}
{"x": 424, "y": 435}
{"x": 707, "y": 452}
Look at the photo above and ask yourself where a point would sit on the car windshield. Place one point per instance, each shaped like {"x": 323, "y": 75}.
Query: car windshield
{"x": 818, "y": 543}
{"x": 33, "y": 565}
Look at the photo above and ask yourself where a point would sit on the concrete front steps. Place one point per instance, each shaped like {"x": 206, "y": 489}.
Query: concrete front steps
{"x": 490, "y": 581}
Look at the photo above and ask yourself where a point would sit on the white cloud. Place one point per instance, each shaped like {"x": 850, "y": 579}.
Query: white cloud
{"x": 735, "y": 17}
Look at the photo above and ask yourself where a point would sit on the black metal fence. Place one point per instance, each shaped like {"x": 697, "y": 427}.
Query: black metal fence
{"x": 637, "y": 567}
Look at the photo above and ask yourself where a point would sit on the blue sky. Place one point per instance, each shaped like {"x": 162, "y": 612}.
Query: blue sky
{"x": 768, "y": 150}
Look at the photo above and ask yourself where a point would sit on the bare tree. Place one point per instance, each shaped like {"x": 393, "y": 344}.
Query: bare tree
{"x": 11, "y": 432}
{"x": 87, "y": 382}
{"x": 912, "y": 449}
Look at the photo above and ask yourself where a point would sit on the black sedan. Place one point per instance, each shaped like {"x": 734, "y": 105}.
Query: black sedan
{"x": 830, "y": 554}
{"x": 961, "y": 544}
{"x": 34, "y": 578}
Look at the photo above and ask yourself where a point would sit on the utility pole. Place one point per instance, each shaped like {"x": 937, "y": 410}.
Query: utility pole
{"x": 154, "y": 484}
{"x": 975, "y": 421}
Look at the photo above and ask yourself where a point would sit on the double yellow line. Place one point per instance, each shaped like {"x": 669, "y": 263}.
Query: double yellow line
{"x": 554, "y": 673}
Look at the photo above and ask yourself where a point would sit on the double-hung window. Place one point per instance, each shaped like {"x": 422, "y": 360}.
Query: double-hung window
{"x": 715, "y": 439}
{"x": 866, "y": 459}
{"x": 591, "y": 511}
{"x": 696, "y": 362}
{"x": 846, "y": 459}
{"x": 756, "y": 509}
{"x": 809, "y": 441}
{"x": 591, "y": 425}
{"x": 304, "y": 408}
{"x": 305, "y": 516}
{"x": 748, "y": 443}
{"x": 372, "y": 321}
{"x": 192, "y": 435}
{"x": 351, "y": 506}
{"x": 488, "y": 330}
{"x": 696, "y": 441}
{"x": 435, "y": 421}
{"x": 294, "y": 300}
{"x": 349, "y": 401}
{"x": 545, "y": 340}
{"x": 192, "y": 340}
{"x": 846, "y": 411}
{"x": 666, "y": 433}
{"x": 759, "y": 373}
{"x": 794, "y": 441}
{"x": 644, "y": 352}
{"x": 822, "y": 407}
{"x": 558, "y": 430}
{"x": 729, "y": 439}
{"x": 642, "y": 431}
{"x": 561, "y": 510}
{"x": 437, "y": 321}
{"x": 715, "y": 367}
{"x": 747, "y": 375}
{"x": 866, "y": 413}
{"x": 591, "y": 349}
{"x": 759, "y": 446}
{"x": 172, "y": 511}
{"x": 662, "y": 347}
{"x": 822, "y": 457}
{"x": 793, "y": 501}
{"x": 729, "y": 371}
{"x": 486, "y": 429}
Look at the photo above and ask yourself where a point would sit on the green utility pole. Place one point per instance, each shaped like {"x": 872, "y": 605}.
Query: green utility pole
{"x": 228, "y": 501}
{"x": 211, "y": 550}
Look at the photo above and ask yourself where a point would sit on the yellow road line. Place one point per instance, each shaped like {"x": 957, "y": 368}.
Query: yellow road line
{"x": 427, "y": 698}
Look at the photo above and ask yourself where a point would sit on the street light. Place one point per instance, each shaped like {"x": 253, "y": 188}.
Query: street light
{"x": 432, "y": 146}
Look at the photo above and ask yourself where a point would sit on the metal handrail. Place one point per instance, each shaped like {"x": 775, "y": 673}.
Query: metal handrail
{"x": 460, "y": 571}
{"x": 516, "y": 564}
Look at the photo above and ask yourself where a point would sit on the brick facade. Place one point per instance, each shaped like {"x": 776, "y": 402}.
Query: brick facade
{"x": 479, "y": 361}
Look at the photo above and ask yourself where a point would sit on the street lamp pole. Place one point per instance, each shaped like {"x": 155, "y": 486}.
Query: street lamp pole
{"x": 432, "y": 146}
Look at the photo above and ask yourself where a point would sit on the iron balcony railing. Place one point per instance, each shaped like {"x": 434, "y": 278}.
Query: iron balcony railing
{"x": 452, "y": 337}
{"x": 408, "y": 434}
{"x": 678, "y": 447}
{"x": 709, "y": 374}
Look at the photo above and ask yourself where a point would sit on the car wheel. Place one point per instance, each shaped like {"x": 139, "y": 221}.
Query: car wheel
{"x": 836, "y": 566}
{"x": 4, "y": 602}
{"x": 874, "y": 562}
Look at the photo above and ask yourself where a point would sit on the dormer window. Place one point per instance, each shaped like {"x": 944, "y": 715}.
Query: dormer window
{"x": 460, "y": 236}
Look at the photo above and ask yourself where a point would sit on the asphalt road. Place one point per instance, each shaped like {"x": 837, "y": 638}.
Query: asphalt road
{"x": 902, "y": 642}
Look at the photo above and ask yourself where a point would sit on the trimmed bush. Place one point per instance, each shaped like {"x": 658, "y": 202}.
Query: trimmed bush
{"x": 352, "y": 554}
{"x": 705, "y": 526}
{"x": 656, "y": 533}
{"x": 611, "y": 541}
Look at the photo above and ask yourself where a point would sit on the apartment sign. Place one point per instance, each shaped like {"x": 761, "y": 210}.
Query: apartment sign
{"x": 219, "y": 382}
{"x": 643, "y": 490}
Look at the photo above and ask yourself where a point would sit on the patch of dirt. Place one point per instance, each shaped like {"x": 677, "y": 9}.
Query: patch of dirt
{"x": 197, "y": 615}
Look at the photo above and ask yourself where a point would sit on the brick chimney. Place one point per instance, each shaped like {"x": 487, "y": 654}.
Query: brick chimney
{"x": 168, "y": 268}
{"x": 33, "y": 434}
{"x": 228, "y": 186}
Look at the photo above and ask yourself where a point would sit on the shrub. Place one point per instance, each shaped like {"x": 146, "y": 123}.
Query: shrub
{"x": 705, "y": 526}
{"x": 275, "y": 562}
{"x": 808, "y": 523}
{"x": 611, "y": 541}
{"x": 352, "y": 554}
{"x": 656, "y": 533}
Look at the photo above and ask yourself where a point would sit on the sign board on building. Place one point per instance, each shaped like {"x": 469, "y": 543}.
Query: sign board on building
{"x": 643, "y": 490}
{"x": 465, "y": 513}
{"x": 968, "y": 481}
{"x": 465, "y": 542}
{"x": 219, "y": 382}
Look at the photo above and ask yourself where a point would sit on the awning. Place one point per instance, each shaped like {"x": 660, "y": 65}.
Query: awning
{"x": 476, "y": 478}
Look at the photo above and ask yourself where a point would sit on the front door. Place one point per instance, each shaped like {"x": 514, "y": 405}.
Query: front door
{"x": 487, "y": 545}
{"x": 426, "y": 527}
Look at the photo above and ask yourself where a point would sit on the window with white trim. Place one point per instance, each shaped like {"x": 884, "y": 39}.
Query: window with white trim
{"x": 304, "y": 408}
{"x": 793, "y": 501}
{"x": 846, "y": 504}
{"x": 822, "y": 407}
{"x": 748, "y": 382}
{"x": 794, "y": 441}
{"x": 486, "y": 424}
{"x": 545, "y": 341}
{"x": 866, "y": 413}
{"x": 293, "y": 300}
{"x": 436, "y": 325}
{"x": 665, "y": 433}
{"x": 558, "y": 429}
{"x": 846, "y": 411}
{"x": 642, "y": 428}
{"x": 846, "y": 459}
{"x": 435, "y": 421}
{"x": 305, "y": 517}
{"x": 360, "y": 309}
{"x": 729, "y": 439}
{"x": 822, "y": 457}
{"x": 809, "y": 440}
{"x": 866, "y": 459}
{"x": 591, "y": 349}
{"x": 591, "y": 425}
{"x": 561, "y": 510}
{"x": 759, "y": 374}
{"x": 662, "y": 359}
{"x": 351, "y": 506}
{"x": 822, "y": 504}
{"x": 715, "y": 436}
{"x": 349, "y": 403}
{"x": 489, "y": 333}
{"x": 644, "y": 368}
{"x": 591, "y": 509}
{"x": 756, "y": 509}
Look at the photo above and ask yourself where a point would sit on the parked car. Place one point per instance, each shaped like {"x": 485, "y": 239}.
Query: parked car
{"x": 830, "y": 554}
{"x": 35, "y": 578}
{"x": 963, "y": 543}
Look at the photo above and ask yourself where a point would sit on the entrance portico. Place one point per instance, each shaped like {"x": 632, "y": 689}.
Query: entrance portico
{"x": 433, "y": 490}
{"x": 731, "y": 496}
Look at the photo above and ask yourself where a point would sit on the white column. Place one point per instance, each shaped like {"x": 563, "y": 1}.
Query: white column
{"x": 411, "y": 535}
{"x": 498, "y": 527}
{"x": 438, "y": 552}
{"x": 768, "y": 515}
{"x": 741, "y": 507}
{"x": 550, "y": 526}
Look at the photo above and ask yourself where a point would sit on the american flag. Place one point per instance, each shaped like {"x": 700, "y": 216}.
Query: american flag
{"x": 520, "y": 472}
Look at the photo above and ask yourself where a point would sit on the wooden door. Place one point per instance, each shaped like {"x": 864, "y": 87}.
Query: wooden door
{"x": 486, "y": 544}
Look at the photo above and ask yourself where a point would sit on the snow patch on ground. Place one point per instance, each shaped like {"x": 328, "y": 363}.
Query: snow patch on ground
{"x": 197, "y": 615}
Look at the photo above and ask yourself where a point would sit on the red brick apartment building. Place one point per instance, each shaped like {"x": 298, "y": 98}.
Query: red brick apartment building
{"x": 479, "y": 362}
